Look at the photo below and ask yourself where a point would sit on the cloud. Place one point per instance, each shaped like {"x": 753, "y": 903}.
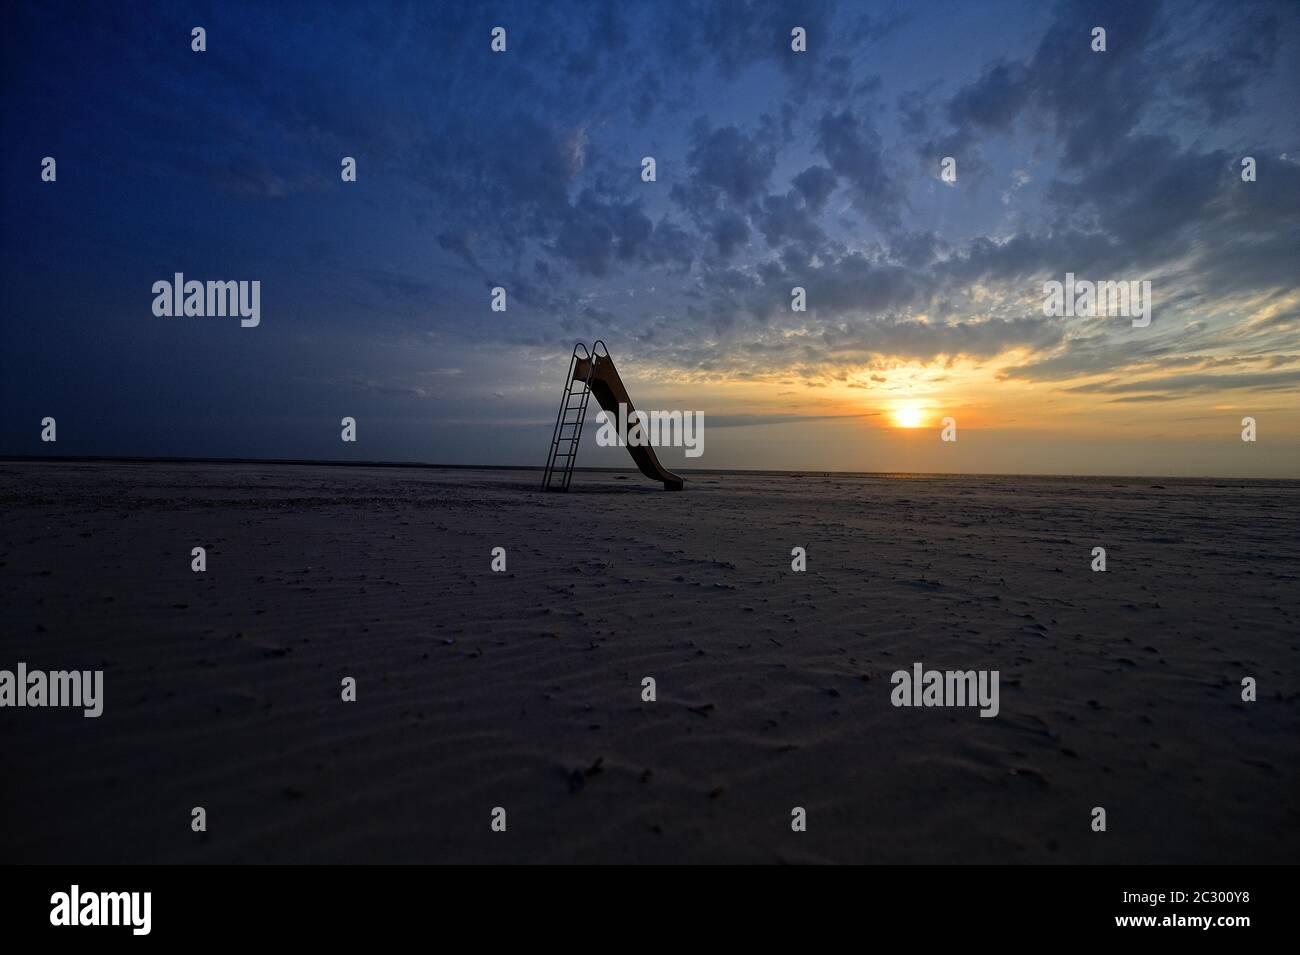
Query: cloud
{"x": 815, "y": 184}
{"x": 1186, "y": 384}
{"x": 855, "y": 152}
{"x": 729, "y": 163}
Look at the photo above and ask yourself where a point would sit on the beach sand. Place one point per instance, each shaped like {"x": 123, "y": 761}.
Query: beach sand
{"x": 523, "y": 689}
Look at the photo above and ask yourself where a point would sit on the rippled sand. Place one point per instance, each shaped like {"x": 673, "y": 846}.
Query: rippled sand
{"x": 523, "y": 689}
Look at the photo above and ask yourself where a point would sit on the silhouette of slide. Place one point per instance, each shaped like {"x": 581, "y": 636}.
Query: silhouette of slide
{"x": 596, "y": 374}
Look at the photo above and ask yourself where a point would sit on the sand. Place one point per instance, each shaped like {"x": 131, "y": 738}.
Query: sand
{"x": 523, "y": 689}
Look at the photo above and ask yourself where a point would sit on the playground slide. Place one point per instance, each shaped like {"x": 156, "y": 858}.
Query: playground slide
{"x": 609, "y": 391}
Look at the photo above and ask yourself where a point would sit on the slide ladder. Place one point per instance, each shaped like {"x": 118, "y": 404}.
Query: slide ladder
{"x": 568, "y": 423}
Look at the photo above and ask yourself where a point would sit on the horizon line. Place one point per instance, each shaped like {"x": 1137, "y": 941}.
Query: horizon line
{"x": 334, "y": 462}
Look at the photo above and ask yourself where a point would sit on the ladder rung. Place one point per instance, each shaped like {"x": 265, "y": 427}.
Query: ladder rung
{"x": 564, "y": 445}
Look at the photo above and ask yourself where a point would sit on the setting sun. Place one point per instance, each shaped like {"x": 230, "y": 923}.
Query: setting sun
{"x": 909, "y": 416}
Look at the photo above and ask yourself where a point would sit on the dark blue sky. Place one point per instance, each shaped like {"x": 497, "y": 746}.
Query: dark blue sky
{"x": 774, "y": 169}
